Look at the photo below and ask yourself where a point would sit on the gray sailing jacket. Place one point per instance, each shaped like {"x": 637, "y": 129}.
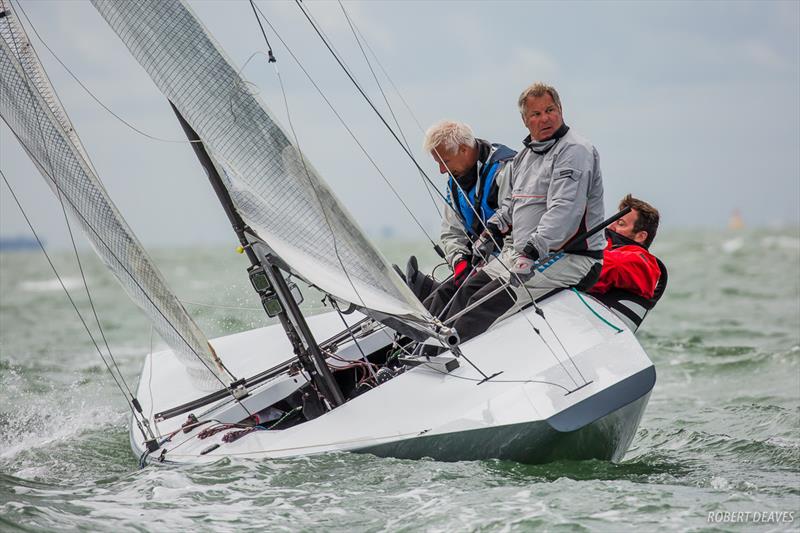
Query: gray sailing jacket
{"x": 454, "y": 238}
{"x": 554, "y": 196}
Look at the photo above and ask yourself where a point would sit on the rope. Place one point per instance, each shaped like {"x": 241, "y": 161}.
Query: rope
{"x": 348, "y": 129}
{"x": 368, "y": 100}
{"x": 74, "y": 305}
{"x": 62, "y": 196}
{"x": 413, "y": 159}
{"x": 90, "y": 93}
{"x": 356, "y": 34}
{"x": 595, "y": 313}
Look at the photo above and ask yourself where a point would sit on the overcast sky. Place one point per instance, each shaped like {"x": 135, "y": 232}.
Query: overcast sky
{"x": 693, "y": 106}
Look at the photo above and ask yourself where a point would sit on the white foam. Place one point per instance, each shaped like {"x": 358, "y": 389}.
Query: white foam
{"x": 783, "y": 242}
{"x": 51, "y": 285}
{"x": 732, "y": 245}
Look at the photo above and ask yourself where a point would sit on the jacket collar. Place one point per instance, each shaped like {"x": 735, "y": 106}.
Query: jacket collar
{"x": 542, "y": 147}
{"x": 618, "y": 240}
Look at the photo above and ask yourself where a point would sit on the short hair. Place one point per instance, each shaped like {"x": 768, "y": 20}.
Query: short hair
{"x": 536, "y": 90}
{"x": 647, "y": 219}
{"x": 450, "y": 134}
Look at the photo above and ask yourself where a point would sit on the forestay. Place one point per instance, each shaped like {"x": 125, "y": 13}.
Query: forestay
{"x": 34, "y": 114}
{"x": 277, "y": 192}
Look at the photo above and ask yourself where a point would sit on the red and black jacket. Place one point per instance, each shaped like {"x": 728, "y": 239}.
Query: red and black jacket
{"x": 628, "y": 266}
{"x": 632, "y": 279}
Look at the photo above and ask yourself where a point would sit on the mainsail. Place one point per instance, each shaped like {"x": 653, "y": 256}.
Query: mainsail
{"x": 32, "y": 111}
{"x": 275, "y": 190}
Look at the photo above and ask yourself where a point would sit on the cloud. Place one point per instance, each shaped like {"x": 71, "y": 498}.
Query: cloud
{"x": 761, "y": 54}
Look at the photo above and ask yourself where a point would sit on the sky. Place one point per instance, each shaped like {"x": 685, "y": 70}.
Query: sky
{"x": 693, "y": 106}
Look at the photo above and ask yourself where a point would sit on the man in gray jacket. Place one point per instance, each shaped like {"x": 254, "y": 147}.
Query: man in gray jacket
{"x": 557, "y": 193}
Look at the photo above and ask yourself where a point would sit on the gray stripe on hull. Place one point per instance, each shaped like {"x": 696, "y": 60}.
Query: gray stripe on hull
{"x": 605, "y": 401}
{"x": 606, "y": 439}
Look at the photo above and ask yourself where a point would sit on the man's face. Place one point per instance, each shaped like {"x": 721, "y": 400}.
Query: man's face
{"x": 458, "y": 163}
{"x": 624, "y": 226}
{"x": 542, "y": 117}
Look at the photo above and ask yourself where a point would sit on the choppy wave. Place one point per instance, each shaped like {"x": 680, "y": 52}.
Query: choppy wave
{"x": 721, "y": 432}
{"x": 51, "y": 285}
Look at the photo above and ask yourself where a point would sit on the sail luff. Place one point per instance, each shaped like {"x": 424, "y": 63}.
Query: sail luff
{"x": 278, "y": 193}
{"x": 15, "y": 35}
{"x": 32, "y": 111}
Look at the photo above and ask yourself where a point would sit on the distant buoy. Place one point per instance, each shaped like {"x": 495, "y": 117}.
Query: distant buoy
{"x": 736, "y": 222}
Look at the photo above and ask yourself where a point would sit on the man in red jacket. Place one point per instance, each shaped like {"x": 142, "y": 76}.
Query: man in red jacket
{"x": 627, "y": 263}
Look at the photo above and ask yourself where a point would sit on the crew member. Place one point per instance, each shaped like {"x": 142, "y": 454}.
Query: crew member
{"x": 476, "y": 186}
{"x": 557, "y": 193}
{"x": 627, "y": 263}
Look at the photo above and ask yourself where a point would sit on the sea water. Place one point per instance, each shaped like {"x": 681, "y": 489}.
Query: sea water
{"x": 718, "y": 447}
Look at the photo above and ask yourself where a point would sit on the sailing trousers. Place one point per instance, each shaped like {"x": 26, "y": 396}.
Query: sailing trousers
{"x": 567, "y": 271}
{"x": 438, "y": 301}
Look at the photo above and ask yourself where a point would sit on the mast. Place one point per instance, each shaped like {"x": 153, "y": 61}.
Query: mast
{"x": 269, "y": 283}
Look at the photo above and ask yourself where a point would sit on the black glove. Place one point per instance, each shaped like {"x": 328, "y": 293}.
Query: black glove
{"x": 485, "y": 245}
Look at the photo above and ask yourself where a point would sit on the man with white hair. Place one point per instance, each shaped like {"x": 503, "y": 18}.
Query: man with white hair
{"x": 557, "y": 193}
{"x": 476, "y": 187}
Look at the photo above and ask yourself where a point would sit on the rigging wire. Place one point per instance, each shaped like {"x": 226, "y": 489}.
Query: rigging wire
{"x": 271, "y": 57}
{"x": 60, "y": 194}
{"x": 340, "y": 60}
{"x": 298, "y": 144}
{"x": 122, "y": 265}
{"x": 30, "y": 81}
{"x": 434, "y": 369}
{"x": 351, "y": 23}
{"x": 341, "y": 63}
{"x": 60, "y": 105}
{"x": 348, "y": 129}
{"x": 388, "y": 77}
{"x": 386, "y": 124}
{"x": 302, "y": 159}
{"x": 427, "y": 179}
{"x": 32, "y": 89}
{"x": 91, "y": 94}
{"x": 88, "y": 293}
{"x": 312, "y": 184}
{"x": 321, "y": 34}
{"x": 367, "y": 98}
{"x": 75, "y": 306}
{"x": 150, "y": 382}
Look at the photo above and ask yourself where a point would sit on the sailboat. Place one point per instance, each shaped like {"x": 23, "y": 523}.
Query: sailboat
{"x": 564, "y": 379}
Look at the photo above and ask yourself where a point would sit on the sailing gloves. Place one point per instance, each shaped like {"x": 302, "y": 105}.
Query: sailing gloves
{"x": 461, "y": 269}
{"x": 487, "y": 242}
{"x": 525, "y": 267}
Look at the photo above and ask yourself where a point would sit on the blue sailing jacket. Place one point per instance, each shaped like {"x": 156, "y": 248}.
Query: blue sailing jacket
{"x": 478, "y": 195}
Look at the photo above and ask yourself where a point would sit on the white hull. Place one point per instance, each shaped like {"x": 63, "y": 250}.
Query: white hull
{"x": 542, "y": 407}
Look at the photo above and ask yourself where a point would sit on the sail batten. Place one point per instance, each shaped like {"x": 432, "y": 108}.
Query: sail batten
{"x": 277, "y": 193}
{"x": 31, "y": 109}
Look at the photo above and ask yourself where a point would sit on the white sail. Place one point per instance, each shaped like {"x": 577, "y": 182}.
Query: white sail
{"x": 32, "y": 111}
{"x": 277, "y": 193}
